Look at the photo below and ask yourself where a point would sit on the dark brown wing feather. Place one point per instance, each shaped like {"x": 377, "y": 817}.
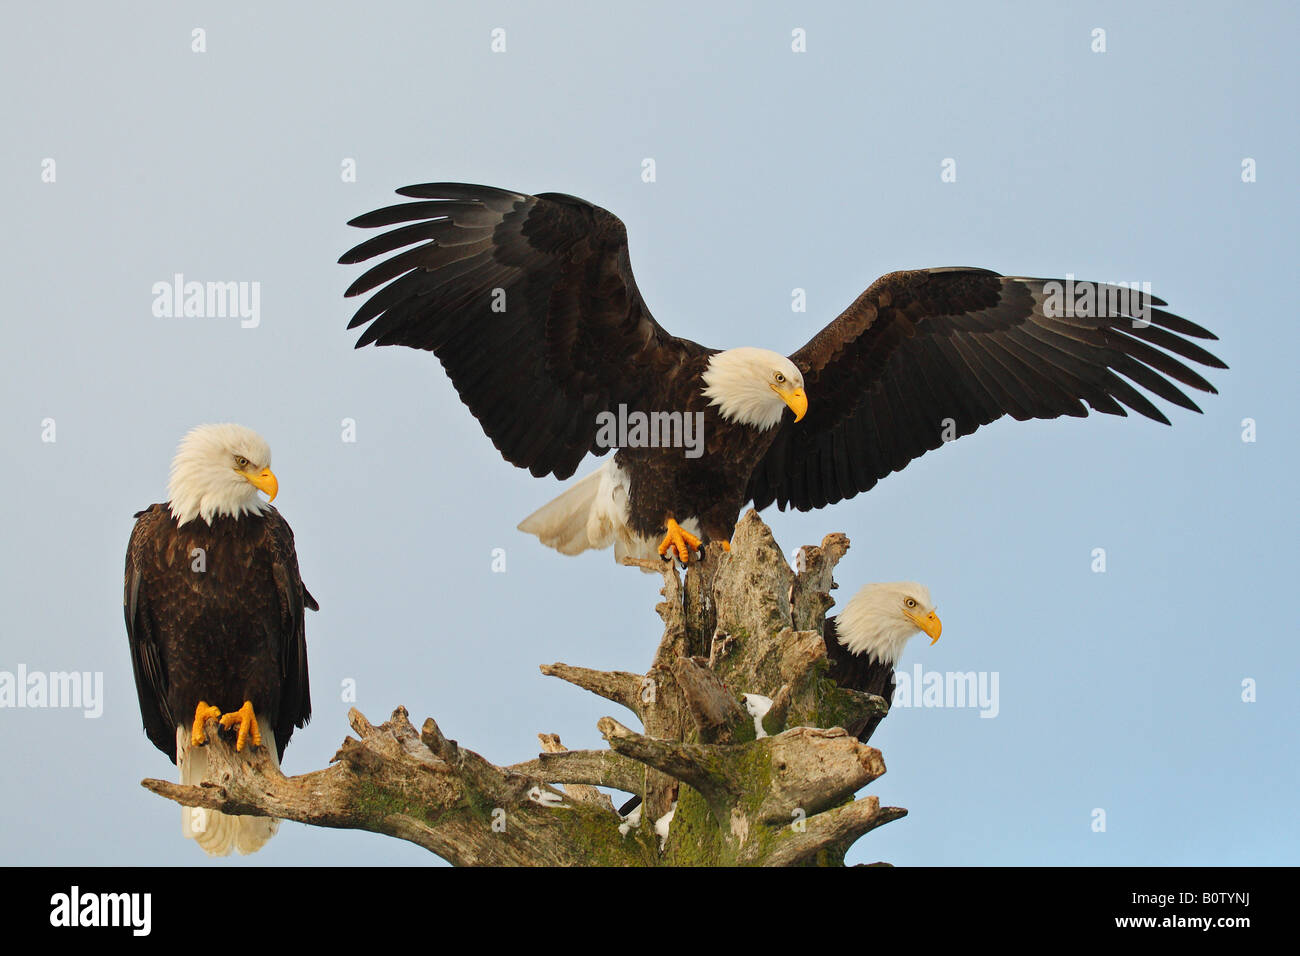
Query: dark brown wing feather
{"x": 574, "y": 339}
{"x": 936, "y": 353}
{"x": 294, "y": 599}
{"x": 146, "y": 643}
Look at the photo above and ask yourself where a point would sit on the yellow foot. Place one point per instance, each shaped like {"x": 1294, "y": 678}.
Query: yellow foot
{"x": 247, "y": 725}
{"x": 680, "y": 540}
{"x": 201, "y": 713}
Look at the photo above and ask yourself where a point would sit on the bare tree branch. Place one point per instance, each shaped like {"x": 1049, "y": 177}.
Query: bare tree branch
{"x": 578, "y": 791}
{"x": 833, "y": 829}
{"x": 618, "y": 686}
{"x": 596, "y": 768}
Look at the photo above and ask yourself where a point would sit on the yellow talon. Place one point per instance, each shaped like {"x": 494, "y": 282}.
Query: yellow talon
{"x": 201, "y": 713}
{"x": 726, "y": 546}
{"x": 247, "y": 725}
{"x": 680, "y": 540}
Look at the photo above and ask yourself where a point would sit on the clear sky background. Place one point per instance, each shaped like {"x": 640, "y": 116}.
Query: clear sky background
{"x": 775, "y": 170}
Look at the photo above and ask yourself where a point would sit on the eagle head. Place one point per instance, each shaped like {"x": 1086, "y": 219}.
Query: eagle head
{"x": 881, "y": 618}
{"x": 754, "y": 387}
{"x": 218, "y": 470}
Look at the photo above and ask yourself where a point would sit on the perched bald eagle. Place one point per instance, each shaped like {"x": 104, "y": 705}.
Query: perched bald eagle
{"x": 530, "y": 304}
{"x": 215, "y": 614}
{"x": 865, "y": 640}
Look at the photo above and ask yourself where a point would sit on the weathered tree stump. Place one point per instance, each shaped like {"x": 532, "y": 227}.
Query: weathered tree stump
{"x": 725, "y": 779}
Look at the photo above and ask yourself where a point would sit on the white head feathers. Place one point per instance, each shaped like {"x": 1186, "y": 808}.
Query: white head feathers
{"x": 218, "y": 470}
{"x": 747, "y": 385}
{"x": 880, "y": 619}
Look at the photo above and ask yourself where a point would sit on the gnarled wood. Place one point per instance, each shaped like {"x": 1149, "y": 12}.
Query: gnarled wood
{"x": 737, "y": 623}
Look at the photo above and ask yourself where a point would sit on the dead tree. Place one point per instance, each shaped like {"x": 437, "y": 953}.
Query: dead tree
{"x": 725, "y": 777}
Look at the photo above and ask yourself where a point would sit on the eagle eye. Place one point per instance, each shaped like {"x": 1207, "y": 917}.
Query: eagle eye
{"x": 780, "y": 379}
{"x": 911, "y": 602}
{"x": 241, "y": 461}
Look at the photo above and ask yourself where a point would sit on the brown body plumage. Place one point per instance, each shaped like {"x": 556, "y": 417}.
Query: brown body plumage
{"x": 230, "y": 632}
{"x": 710, "y": 488}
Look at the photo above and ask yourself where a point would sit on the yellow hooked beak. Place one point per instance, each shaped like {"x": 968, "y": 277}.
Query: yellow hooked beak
{"x": 796, "y": 399}
{"x": 930, "y": 623}
{"x": 264, "y": 480}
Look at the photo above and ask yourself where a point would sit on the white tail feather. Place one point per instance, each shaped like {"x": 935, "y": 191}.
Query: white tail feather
{"x": 220, "y": 833}
{"x": 582, "y": 517}
{"x": 593, "y": 513}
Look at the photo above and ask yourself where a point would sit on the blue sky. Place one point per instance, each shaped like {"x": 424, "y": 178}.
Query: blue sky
{"x": 775, "y": 170}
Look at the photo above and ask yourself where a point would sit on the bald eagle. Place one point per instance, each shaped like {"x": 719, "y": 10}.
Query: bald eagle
{"x": 865, "y": 640}
{"x": 530, "y": 304}
{"x": 215, "y": 612}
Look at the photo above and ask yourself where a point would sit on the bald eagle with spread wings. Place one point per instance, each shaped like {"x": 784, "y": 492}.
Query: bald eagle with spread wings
{"x": 530, "y": 304}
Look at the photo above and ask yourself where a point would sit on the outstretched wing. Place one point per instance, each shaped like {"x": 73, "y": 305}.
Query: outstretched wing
{"x": 930, "y": 355}
{"x": 529, "y": 303}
